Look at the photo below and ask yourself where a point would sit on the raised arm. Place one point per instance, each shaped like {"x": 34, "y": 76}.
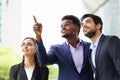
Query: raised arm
{"x": 41, "y": 51}
{"x": 37, "y": 28}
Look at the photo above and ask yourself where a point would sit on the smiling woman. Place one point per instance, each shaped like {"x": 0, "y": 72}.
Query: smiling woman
{"x": 29, "y": 67}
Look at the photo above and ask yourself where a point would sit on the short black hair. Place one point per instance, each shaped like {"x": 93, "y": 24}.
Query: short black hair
{"x": 95, "y": 18}
{"x": 74, "y": 19}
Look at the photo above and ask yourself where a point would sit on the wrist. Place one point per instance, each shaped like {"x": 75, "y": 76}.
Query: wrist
{"x": 38, "y": 37}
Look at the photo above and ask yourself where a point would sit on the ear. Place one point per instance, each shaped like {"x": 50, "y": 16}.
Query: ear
{"x": 98, "y": 26}
{"x": 76, "y": 29}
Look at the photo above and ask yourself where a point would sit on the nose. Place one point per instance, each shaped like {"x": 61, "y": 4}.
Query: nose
{"x": 83, "y": 25}
{"x": 25, "y": 46}
{"x": 62, "y": 26}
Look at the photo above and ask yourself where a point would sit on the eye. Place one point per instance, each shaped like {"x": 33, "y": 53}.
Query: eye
{"x": 29, "y": 44}
{"x": 82, "y": 23}
{"x": 67, "y": 24}
{"x": 22, "y": 44}
{"x": 88, "y": 21}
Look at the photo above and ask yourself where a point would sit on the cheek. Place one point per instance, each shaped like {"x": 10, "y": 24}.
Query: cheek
{"x": 22, "y": 49}
{"x": 33, "y": 50}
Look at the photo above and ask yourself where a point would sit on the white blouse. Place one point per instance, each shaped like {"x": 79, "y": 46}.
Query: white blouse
{"x": 29, "y": 72}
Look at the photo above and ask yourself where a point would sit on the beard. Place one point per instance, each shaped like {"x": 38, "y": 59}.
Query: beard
{"x": 69, "y": 35}
{"x": 66, "y": 36}
{"x": 90, "y": 34}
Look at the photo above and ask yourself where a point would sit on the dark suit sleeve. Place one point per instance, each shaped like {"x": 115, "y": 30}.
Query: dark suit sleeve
{"x": 114, "y": 50}
{"x": 45, "y": 58}
{"x": 41, "y": 53}
{"x": 13, "y": 72}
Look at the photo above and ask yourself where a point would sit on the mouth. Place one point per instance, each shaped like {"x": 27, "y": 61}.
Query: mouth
{"x": 25, "y": 50}
{"x": 63, "y": 31}
{"x": 84, "y": 30}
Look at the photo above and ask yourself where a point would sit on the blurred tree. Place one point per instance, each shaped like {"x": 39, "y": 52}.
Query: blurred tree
{"x": 53, "y": 72}
{"x": 7, "y": 58}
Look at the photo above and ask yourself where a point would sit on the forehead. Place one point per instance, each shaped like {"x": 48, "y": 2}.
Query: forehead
{"x": 87, "y": 19}
{"x": 28, "y": 40}
{"x": 66, "y": 21}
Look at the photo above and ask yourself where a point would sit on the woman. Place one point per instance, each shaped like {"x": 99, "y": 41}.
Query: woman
{"x": 28, "y": 69}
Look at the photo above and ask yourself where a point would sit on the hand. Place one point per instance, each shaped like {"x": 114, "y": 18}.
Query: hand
{"x": 37, "y": 28}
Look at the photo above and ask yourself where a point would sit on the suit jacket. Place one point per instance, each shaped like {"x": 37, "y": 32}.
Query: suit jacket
{"x": 17, "y": 72}
{"x": 61, "y": 55}
{"x": 108, "y": 58}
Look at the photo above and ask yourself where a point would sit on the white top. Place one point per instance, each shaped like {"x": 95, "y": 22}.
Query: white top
{"x": 29, "y": 72}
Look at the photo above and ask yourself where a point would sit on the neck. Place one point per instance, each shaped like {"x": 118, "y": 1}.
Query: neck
{"x": 29, "y": 62}
{"x": 94, "y": 38}
{"x": 73, "y": 41}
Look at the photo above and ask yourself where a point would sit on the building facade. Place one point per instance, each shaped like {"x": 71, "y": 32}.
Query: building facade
{"x": 0, "y": 18}
{"x": 111, "y": 17}
{"x": 11, "y": 23}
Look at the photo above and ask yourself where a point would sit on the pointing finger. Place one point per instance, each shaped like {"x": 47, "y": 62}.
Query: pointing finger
{"x": 35, "y": 19}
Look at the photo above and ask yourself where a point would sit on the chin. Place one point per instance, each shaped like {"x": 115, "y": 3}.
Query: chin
{"x": 63, "y": 35}
{"x": 85, "y": 33}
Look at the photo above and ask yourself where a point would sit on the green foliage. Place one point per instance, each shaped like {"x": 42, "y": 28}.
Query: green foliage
{"x": 7, "y": 59}
{"x": 53, "y": 72}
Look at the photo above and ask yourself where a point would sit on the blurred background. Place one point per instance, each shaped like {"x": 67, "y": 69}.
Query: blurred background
{"x": 16, "y": 22}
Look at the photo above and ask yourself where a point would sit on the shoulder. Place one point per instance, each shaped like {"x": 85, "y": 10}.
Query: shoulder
{"x": 114, "y": 40}
{"x": 58, "y": 45}
{"x": 111, "y": 37}
{"x": 13, "y": 70}
{"x": 42, "y": 67}
{"x": 44, "y": 70}
{"x": 115, "y": 37}
{"x": 16, "y": 67}
{"x": 111, "y": 40}
{"x": 86, "y": 43}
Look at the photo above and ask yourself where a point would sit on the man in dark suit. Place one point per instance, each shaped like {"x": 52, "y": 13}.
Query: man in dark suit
{"x": 105, "y": 55}
{"x": 71, "y": 56}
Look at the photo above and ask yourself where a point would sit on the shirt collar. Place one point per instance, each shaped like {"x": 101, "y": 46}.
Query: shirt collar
{"x": 80, "y": 43}
{"x": 93, "y": 45}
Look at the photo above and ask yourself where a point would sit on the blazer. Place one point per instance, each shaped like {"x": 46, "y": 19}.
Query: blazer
{"x": 107, "y": 58}
{"x": 61, "y": 55}
{"x": 17, "y": 72}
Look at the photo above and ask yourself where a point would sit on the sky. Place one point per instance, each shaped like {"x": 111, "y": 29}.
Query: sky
{"x": 49, "y": 13}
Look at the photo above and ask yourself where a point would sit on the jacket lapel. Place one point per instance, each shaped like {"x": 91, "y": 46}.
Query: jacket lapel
{"x": 89, "y": 57}
{"x": 67, "y": 53}
{"x": 85, "y": 53}
{"x": 35, "y": 73}
{"x": 22, "y": 75}
{"x": 98, "y": 49}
